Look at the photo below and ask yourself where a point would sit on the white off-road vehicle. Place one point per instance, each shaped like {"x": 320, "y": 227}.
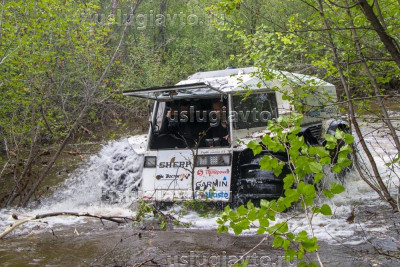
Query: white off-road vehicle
{"x": 199, "y": 128}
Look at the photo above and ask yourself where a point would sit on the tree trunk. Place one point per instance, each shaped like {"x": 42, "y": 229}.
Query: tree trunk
{"x": 160, "y": 35}
{"x": 374, "y": 83}
{"x": 3, "y": 141}
{"x": 386, "y": 39}
{"x": 378, "y": 9}
{"x": 87, "y": 104}
{"x": 350, "y": 108}
{"x": 17, "y": 189}
{"x": 114, "y": 5}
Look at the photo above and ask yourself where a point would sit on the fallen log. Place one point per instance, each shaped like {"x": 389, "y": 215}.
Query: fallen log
{"x": 12, "y": 227}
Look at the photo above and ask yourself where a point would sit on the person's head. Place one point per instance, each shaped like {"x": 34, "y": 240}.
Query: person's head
{"x": 218, "y": 106}
{"x": 184, "y": 106}
{"x": 173, "y": 106}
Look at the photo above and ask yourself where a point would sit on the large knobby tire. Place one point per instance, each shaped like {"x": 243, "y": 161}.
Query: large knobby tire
{"x": 255, "y": 184}
{"x": 341, "y": 176}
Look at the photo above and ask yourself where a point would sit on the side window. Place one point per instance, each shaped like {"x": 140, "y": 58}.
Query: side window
{"x": 254, "y": 110}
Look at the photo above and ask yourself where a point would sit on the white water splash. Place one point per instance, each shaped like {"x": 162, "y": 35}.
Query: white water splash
{"x": 338, "y": 228}
{"x": 115, "y": 172}
{"x": 117, "y": 160}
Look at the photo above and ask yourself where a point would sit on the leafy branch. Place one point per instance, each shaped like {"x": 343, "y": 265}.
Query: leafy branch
{"x": 306, "y": 166}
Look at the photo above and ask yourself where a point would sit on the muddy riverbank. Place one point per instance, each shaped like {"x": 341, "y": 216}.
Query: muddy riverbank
{"x": 87, "y": 242}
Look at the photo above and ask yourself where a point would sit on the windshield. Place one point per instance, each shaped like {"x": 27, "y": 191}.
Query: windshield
{"x": 191, "y": 124}
{"x": 254, "y": 110}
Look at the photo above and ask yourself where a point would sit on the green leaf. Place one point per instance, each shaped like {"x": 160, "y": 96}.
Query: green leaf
{"x": 244, "y": 224}
{"x": 349, "y": 139}
{"x": 266, "y": 140}
{"x": 320, "y": 151}
{"x": 236, "y": 228}
{"x": 250, "y": 205}
{"x": 227, "y": 209}
{"x": 315, "y": 167}
{"x": 330, "y": 138}
{"x": 345, "y": 163}
{"x": 328, "y": 193}
{"x": 283, "y": 227}
{"x": 339, "y": 134}
{"x": 268, "y": 163}
{"x": 304, "y": 264}
{"x": 300, "y": 255}
{"x": 337, "y": 188}
{"x": 290, "y": 254}
{"x": 253, "y": 215}
{"x": 264, "y": 221}
{"x": 255, "y": 146}
{"x": 310, "y": 244}
{"x": 326, "y": 160}
{"x": 278, "y": 242}
{"x": 318, "y": 177}
{"x": 242, "y": 210}
{"x": 261, "y": 230}
{"x": 309, "y": 190}
{"x": 264, "y": 203}
{"x": 291, "y": 236}
{"x": 326, "y": 210}
{"x": 286, "y": 244}
{"x": 163, "y": 225}
{"x": 337, "y": 168}
{"x": 346, "y": 148}
{"x": 301, "y": 236}
{"x": 288, "y": 182}
{"x": 222, "y": 229}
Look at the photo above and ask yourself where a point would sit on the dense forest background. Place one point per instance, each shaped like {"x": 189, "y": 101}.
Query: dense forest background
{"x": 64, "y": 64}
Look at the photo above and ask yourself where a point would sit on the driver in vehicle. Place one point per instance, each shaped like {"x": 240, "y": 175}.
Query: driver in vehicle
{"x": 218, "y": 130}
{"x": 178, "y": 131}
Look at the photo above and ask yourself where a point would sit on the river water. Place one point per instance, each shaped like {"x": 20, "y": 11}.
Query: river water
{"x": 363, "y": 230}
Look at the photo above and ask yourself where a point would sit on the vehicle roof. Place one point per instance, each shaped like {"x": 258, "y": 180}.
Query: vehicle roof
{"x": 228, "y": 81}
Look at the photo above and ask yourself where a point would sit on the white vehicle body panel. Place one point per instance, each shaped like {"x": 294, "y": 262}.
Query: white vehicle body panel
{"x": 175, "y": 177}
{"x": 171, "y": 179}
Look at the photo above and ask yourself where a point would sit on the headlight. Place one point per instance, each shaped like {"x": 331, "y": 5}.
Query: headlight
{"x": 213, "y": 160}
{"x": 150, "y": 162}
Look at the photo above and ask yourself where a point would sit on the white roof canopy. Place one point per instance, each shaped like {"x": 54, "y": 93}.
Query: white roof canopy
{"x": 222, "y": 82}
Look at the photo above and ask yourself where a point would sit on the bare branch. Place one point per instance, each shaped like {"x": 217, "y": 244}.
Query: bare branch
{"x": 116, "y": 219}
{"x": 86, "y": 106}
{"x": 345, "y": 7}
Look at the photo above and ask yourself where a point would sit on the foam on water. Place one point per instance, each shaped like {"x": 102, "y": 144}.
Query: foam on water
{"x": 336, "y": 229}
{"x": 121, "y": 165}
{"x": 116, "y": 169}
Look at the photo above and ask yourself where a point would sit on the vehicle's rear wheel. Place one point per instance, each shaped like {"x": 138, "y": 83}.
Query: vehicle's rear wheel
{"x": 341, "y": 176}
{"x": 255, "y": 184}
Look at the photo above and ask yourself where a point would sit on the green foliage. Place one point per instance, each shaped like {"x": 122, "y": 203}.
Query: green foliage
{"x": 304, "y": 161}
{"x": 147, "y": 211}
{"x": 203, "y": 207}
{"x": 53, "y": 52}
{"x": 50, "y": 51}
{"x": 294, "y": 39}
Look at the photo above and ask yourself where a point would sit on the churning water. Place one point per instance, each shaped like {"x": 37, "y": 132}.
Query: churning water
{"x": 107, "y": 184}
